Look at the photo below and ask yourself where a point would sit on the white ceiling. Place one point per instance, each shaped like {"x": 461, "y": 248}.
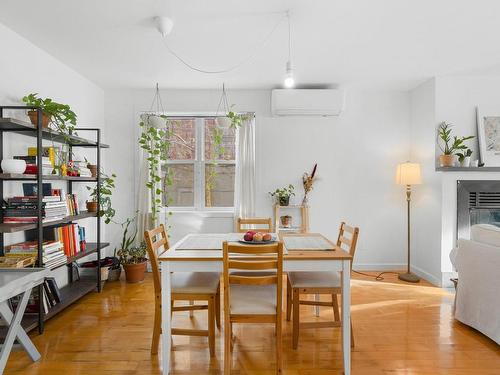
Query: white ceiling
{"x": 386, "y": 43}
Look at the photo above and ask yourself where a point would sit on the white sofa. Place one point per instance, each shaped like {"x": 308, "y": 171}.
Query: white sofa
{"x": 477, "y": 302}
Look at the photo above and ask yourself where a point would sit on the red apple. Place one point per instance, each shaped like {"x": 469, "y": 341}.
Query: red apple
{"x": 248, "y": 236}
{"x": 251, "y": 232}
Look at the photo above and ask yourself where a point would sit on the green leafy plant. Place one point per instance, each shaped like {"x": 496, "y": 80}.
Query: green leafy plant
{"x": 462, "y": 155}
{"x": 106, "y": 186}
{"x": 133, "y": 254}
{"x": 282, "y": 195}
{"x": 63, "y": 118}
{"x": 449, "y": 145}
{"x": 156, "y": 143}
{"x": 129, "y": 234}
{"x": 237, "y": 119}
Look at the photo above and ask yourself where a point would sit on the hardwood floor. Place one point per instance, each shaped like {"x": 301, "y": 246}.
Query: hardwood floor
{"x": 399, "y": 329}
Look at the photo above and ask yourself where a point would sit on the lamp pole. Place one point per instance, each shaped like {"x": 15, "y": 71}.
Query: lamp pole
{"x": 408, "y": 276}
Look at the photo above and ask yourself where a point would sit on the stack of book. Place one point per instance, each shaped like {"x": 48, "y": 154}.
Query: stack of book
{"x": 83, "y": 170}
{"x": 32, "y": 164}
{"x": 52, "y": 296}
{"x": 24, "y": 209}
{"x": 52, "y": 252}
{"x": 72, "y": 237}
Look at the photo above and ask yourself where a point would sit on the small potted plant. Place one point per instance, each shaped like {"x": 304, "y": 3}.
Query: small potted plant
{"x": 283, "y": 195}
{"x": 134, "y": 262}
{"x": 128, "y": 238}
{"x": 464, "y": 158}
{"x": 106, "y": 186}
{"x": 286, "y": 221}
{"x": 450, "y": 146}
{"x": 59, "y": 115}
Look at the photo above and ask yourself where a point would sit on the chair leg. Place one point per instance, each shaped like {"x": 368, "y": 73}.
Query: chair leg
{"x": 211, "y": 325}
{"x": 191, "y": 312}
{"x": 232, "y": 336}
{"x": 217, "y": 308}
{"x": 227, "y": 346}
{"x": 288, "y": 299}
{"x": 352, "y": 336}
{"x": 279, "y": 346}
{"x": 335, "y": 304}
{"x": 156, "y": 330}
{"x": 296, "y": 307}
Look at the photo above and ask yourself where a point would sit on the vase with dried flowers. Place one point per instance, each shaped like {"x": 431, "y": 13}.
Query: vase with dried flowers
{"x": 307, "y": 181}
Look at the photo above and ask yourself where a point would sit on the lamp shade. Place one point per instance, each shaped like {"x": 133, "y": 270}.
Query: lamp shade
{"x": 408, "y": 174}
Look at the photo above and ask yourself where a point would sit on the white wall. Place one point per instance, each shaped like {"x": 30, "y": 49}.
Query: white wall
{"x": 24, "y": 68}
{"x": 356, "y": 153}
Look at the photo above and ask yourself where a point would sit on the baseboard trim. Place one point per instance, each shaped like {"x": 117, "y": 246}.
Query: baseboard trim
{"x": 427, "y": 276}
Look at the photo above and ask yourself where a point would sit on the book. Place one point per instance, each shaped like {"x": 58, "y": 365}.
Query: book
{"x": 51, "y": 281}
{"x": 49, "y": 152}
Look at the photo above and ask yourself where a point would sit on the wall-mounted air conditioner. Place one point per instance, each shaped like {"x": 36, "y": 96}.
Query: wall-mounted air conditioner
{"x": 307, "y": 102}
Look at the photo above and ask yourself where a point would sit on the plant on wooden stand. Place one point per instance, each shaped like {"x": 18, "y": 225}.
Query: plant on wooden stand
{"x": 106, "y": 186}
{"x": 282, "y": 195}
{"x": 448, "y": 145}
{"x": 134, "y": 262}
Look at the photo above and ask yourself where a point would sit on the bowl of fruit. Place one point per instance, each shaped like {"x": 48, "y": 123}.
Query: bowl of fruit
{"x": 257, "y": 238}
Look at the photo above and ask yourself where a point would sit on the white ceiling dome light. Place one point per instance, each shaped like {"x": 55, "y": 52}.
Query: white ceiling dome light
{"x": 164, "y": 25}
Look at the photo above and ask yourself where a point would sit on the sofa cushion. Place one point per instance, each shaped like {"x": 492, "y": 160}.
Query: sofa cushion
{"x": 486, "y": 233}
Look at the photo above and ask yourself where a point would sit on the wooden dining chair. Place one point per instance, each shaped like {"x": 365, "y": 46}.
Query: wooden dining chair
{"x": 186, "y": 286}
{"x": 252, "y": 297}
{"x": 259, "y": 224}
{"x": 300, "y": 283}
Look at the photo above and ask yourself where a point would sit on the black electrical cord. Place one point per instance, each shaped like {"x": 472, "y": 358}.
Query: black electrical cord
{"x": 376, "y": 277}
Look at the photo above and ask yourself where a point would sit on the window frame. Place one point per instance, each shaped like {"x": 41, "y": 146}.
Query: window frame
{"x": 199, "y": 163}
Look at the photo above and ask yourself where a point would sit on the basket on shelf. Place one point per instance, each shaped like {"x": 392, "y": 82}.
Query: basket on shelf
{"x": 17, "y": 261}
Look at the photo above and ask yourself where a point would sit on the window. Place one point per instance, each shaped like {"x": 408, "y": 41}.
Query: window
{"x": 199, "y": 173}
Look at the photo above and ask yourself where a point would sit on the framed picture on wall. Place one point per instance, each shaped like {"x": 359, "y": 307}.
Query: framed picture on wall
{"x": 488, "y": 131}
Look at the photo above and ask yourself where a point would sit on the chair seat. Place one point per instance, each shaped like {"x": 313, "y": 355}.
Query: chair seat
{"x": 314, "y": 279}
{"x": 195, "y": 282}
{"x": 253, "y": 299}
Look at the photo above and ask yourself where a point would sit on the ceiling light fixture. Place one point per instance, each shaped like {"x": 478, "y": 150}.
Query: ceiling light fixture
{"x": 164, "y": 25}
{"x": 289, "y": 80}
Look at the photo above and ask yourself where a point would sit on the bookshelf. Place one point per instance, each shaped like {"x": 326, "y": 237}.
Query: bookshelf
{"x": 304, "y": 218}
{"x": 75, "y": 289}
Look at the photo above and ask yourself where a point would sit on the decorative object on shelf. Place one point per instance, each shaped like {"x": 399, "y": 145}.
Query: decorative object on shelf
{"x": 231, "y": 119}
{"x": 307, "y": 182}
{"x": 448, "y": 145}
{"x": 60, "y": 116}
{"x": 488, "y": 130}
{"x": 13, "y": 166}
{"x": 106, "y": 186}
{"x": 93, "y": 169}
{"x": 282, "y": 195}
{"x": 134, "y": 262}
{"x": 408, "y": 174}
{"x": 286, "y": 221}
{"x": 464, "y": 158}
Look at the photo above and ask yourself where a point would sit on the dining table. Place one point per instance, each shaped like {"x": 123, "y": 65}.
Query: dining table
{"x": 202, "y": 252}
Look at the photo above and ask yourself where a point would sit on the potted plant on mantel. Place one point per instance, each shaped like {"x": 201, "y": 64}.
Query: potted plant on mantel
{"x": 464, "y": 158}
{"x": 283, "y": 195}
{"x": 134, "y": 262}
{"x": 450, "y": 146}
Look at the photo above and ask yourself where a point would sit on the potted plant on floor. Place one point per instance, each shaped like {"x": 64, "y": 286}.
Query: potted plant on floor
{"x": 282, "y": 195}
{"x": 448, "y": 145}
{"x": 134, "y": 262}
{"x": 464, "y": 158}
{"x": 128, "y": 238}
{"x": 106, "y": 186}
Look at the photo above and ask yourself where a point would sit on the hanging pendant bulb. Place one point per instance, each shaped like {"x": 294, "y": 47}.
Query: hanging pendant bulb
{"x": 289, "y": 80}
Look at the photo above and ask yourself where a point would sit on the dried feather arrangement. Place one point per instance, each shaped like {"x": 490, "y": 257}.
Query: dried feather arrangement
{"x": 307, "y": 181}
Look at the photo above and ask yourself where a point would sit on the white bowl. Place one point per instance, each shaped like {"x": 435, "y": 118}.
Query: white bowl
{"x": 13, "y": 166}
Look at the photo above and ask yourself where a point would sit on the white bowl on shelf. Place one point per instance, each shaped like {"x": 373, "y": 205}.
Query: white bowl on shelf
{"x": 13, "y": 166}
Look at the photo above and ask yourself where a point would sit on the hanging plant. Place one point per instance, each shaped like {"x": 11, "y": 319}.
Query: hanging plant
{"x": 231, "y": 118}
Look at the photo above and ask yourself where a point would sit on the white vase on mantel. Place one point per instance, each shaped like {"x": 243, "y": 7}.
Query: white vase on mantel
{"x": 465, "y": 163}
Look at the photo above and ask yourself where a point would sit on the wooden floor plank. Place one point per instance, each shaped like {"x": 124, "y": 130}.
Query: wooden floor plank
{"x": 400, "y": 329}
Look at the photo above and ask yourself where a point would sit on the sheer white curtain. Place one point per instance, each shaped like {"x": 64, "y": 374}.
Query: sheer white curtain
{"x": 244, "y": 189}
{"x": 143, "y": 198}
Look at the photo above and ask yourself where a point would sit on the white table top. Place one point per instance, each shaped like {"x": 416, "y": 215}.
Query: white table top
{"x": 18, "y": 280}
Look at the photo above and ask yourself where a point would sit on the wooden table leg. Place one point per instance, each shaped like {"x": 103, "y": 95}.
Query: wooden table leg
{"x": 346, "y": 315}
{"x": 166, "y": 335}
{"x": 16, "y": 331}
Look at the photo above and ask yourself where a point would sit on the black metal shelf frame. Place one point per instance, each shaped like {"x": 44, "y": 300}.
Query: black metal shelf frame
{"x": 20, "y": 127}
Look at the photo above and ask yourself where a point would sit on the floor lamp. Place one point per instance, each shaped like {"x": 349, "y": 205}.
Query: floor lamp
{"x": 408, "y": 174}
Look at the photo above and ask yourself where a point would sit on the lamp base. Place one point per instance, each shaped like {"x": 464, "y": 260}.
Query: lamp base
{"x": 409, "y": 277}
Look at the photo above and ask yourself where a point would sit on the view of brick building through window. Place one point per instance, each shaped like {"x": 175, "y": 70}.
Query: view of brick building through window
{"x": 201, "y": 163}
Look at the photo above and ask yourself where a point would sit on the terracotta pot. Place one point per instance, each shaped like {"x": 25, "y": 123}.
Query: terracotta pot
{"x": 91, "y": 206}
{"x": 33, "y": 115}
{"x": 93, "y": 169}
{"x": 134, "y": 273}
{"x": 447, "y": 160}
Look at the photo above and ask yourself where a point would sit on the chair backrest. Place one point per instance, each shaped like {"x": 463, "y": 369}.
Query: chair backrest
{"x": 156, "y": 238}
{"x": 260, "y": 224}
{"x": 253, "y": 258}
{"x": 348, "y": 238}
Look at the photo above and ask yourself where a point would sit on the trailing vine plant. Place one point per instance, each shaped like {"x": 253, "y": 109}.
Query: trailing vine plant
{"x": 155, "y": 141}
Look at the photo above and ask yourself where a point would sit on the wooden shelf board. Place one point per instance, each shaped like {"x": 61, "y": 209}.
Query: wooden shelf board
{"x": 91, "y": 249}
{"x": 469, "y": 169}
{"x": 24, "y": 177}
{"x": 26, "y": 128}
{"x": 19, "y": 227}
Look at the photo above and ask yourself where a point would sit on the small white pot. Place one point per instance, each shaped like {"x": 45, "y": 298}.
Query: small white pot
{"x": 153, "y": 120}
{"x": 466, "y": 162}
{"x": 224, "y": 122}
{"x": 13, "y": 166}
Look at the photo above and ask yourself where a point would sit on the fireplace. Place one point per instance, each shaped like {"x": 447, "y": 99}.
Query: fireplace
{"x": 478, "y": 202}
